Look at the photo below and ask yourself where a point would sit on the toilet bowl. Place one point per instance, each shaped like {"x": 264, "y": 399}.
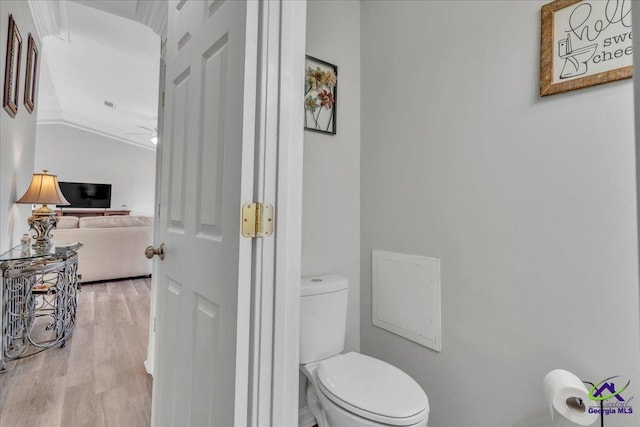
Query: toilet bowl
{"x": 351, "y": 389}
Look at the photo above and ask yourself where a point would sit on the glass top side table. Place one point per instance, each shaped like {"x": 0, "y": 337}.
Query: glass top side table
{"x": 39, "y": 299}
{"x": 17, "y": 253}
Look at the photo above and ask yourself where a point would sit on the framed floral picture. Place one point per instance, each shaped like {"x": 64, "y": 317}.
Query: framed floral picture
{"x": 320, "y": 95}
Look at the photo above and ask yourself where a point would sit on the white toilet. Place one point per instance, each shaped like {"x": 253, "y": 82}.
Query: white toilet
{"x": 349, "y": 390}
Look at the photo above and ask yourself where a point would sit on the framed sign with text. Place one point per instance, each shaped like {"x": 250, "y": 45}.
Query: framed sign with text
{"x": 584, "y": 43}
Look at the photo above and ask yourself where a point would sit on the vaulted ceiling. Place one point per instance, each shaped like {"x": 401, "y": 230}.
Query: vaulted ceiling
{"x": 100, "y": 65}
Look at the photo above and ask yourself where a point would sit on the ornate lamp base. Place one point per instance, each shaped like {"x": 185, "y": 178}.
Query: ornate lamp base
{"x": 42, "y": 222}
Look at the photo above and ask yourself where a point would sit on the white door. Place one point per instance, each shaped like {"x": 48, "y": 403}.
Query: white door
{"x": 203, "y": 311}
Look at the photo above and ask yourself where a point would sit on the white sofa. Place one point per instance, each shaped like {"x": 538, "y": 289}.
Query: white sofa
{"x": 113, "y": 245}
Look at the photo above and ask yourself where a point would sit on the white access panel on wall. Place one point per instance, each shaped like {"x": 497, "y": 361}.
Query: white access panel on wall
{"x": 406, "y": 296}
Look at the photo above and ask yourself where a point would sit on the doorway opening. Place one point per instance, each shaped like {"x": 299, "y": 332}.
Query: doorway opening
{"x": 97, "y": 118}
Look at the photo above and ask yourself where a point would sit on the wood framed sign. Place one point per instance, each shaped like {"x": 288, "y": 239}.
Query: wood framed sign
{"x": 584, "y": 43}
{"x": 12, "y": 69}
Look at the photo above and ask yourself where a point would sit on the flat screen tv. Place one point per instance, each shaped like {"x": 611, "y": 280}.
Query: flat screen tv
{"x": 86, "y": 195}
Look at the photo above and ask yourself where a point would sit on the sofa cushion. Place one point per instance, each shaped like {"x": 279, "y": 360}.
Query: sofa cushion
{"x": 115, "y": 221}
{"x": 65, "y": 222}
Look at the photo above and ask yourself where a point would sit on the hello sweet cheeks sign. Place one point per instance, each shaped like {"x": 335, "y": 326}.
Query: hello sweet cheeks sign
{"x": 584, "y": 43}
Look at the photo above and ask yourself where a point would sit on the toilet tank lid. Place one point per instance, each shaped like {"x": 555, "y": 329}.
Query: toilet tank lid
{"x": 316, "y": 285}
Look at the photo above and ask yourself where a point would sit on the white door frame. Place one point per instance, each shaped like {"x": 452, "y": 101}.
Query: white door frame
{"x": 274, "y": 346}
{"x": 286, "y": 339}
{"x": 276, "y": 303}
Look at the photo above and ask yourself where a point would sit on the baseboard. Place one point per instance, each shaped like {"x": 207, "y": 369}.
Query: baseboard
{"x": 305, "y": 419}
{"x": 148, "y": 367}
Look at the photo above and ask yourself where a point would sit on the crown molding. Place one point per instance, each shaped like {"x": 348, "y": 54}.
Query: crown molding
{"x": 50, "y": 18}
{"x": 64, "y": 122}
{"x": 153, "y": 14}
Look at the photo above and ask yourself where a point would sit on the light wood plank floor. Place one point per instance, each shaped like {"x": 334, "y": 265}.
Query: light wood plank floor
{"x": 99, "y": 378}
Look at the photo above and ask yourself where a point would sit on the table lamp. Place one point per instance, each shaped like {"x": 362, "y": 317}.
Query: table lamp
{"x": 44, "y": 189}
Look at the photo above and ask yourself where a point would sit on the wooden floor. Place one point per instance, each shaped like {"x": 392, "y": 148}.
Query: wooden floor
{"x": 99, "y": 378}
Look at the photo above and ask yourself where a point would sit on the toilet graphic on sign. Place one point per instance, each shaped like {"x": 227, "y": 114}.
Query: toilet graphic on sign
{"x": 575, "y": 61}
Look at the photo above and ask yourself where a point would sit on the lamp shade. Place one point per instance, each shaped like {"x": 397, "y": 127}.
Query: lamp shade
{"x": 44, "y": 189}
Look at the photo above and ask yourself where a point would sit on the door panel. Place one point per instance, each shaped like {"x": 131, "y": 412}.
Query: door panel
{"x": 211, "y": 150}
{"x": 179, "y": 150}
{"x": 204, "y": 362}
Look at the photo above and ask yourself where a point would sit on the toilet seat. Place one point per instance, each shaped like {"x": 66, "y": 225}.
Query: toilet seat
{"x": 372, "y": 389}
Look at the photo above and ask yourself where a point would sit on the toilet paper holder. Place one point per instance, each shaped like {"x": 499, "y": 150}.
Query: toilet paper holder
{"x": 601, "y": 404}
{"x": 576, "y": 403}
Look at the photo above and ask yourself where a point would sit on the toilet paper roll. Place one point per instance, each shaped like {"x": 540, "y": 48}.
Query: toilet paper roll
{"x": 568, "y": 394}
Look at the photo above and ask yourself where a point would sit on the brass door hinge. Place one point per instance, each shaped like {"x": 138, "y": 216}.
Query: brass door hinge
{"x": 257, "y": 220}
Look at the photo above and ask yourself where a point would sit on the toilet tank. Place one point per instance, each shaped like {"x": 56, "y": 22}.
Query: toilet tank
{"x": 323, "y": 317}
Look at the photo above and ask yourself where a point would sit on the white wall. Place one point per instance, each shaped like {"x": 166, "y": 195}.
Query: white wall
{"x": 530, "y": 204}
{"x": 636, "y": 87}
{"x": 17, "y": 135}
{"x": 331, "y": 191}
{"x": 79, "y": 156}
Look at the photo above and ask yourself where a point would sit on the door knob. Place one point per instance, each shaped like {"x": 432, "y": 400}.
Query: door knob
{"x": 151, "y": 251}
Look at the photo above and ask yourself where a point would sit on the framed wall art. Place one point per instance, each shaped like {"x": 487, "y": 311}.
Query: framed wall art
{"x": 12, "y": 69}
{"x": 320, "y": 95}
{"x": 32, "y": 75}
{"x": 584, "y": 43}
